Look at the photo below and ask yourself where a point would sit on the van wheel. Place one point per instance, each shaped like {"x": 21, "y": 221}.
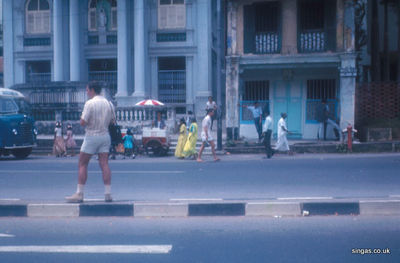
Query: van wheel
{"x": 22, "y": 153}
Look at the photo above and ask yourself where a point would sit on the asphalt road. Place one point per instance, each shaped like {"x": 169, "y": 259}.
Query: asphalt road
{"x": 235, "y": 177}
{"x": 212, "y": 239}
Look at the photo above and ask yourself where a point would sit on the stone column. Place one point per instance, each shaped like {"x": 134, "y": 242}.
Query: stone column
{"x": 140, "y": 50}
{"x": 289, "y": 28}
{"x": 123, "y": 50}
{"x": 232, "y": 74}
{"x": 349, "y": 26}
{"x": 203, "y": 88}
{"x": 8, "y": 44}
{"x": 58, "y": 47}
{"x": 348, "y": 74}
{"x": 75, "y": 40}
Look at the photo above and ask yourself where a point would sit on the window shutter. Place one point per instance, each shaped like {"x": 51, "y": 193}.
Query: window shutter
{"x": 249, "y": 28}
{"x": 162, "y": 16}
{"x": 114, "y": 18}
{"x": 46, "y": 21}
{"x": 330, "y": 24}
{"x": 30, "y": 22}
{"x": 171, "y": 17}
{"x": 181, "y": 16}
{"x": 92, "y": 20}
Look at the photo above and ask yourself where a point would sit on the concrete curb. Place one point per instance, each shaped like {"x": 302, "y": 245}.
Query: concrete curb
{"x": 270, "y": 208}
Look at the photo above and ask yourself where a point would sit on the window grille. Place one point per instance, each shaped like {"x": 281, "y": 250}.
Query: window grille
{"x": 317, "y": 91}
{"x": 256, "y": 90}
{"x": 171, "y": 14}
{"x": 37, "y": 17}
{"x": 262, "y": 28}
{"x": 172, "y": 80}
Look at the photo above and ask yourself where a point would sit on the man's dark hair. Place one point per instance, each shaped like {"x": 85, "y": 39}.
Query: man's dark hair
{"x": 96, "y": 86}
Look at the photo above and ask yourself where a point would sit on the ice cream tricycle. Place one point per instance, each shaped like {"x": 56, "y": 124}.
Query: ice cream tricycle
{"x": 156, "y": 138}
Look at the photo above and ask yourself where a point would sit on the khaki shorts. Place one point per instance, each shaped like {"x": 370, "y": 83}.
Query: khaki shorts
{"x": 96, "y": 144}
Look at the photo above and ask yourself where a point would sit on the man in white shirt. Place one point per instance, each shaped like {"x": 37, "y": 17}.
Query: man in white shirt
{"x": 267, "y": 131}
{"x": 206, "y": 136}
{"x": 282, "y": 144}
{"x": 97, "y": 114}
{"x": 211, "y": 105}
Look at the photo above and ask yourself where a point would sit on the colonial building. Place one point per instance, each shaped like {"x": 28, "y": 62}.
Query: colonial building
{"x": 161, "y": 49}
{"x": 289, "y": 55}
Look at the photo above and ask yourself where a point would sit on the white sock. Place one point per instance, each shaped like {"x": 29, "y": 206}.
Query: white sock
{"x": 107, "y": 189}
{"x": 80, "y": 188}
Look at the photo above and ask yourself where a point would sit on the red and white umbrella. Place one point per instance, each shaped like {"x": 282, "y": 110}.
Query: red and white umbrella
{"x": 149, "y": 103}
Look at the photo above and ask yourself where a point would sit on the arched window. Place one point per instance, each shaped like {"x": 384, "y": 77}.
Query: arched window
{"x": 102, "y": 13}
{"x": 37, "y": 17}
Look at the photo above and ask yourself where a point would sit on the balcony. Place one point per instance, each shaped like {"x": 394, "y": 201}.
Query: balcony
{"x": 312, "y": 41}
{"x": 38, "y": 77}
{"x": 267, "y": 43}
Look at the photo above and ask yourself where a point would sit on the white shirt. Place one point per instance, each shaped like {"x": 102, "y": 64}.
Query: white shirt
{"x": 206, "y": 124}
{"x": 98, "y": 113}
{"x": 281, "y": 125}
{"x": 268, "y": 124}
{"x": 211, "y": 105}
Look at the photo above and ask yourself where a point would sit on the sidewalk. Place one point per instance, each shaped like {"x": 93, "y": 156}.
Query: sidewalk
{"x": 285, "y": 207}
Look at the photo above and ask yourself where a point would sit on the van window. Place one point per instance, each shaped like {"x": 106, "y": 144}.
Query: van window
{"x": 7, "y": 105}
{"x": 23, "y": 105}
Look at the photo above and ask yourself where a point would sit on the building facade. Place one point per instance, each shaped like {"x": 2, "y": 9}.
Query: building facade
{"x": 161, "y": 49}
{"x": 290, "y": 55}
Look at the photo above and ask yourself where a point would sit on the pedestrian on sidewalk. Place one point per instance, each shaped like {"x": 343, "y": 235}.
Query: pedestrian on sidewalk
{"x": 181, "y": 140}
{"x": 70, "y": 141}
{"x": 59, "y": 149}
{"x": 256, "y": 110}
{"x": 190, "y": 146}
{"x": 128, "y": 144}
{"x": 206, "y": 136}
{"x": 322, "y": 118}
{"x": 282, "y": 144}
{"x": 211, "y": 105}
{"x": 98, "y": 113}
{"x": 267, "y": 131}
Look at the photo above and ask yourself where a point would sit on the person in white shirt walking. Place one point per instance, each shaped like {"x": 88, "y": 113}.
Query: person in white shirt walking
{"x": 97, "y": 114}
{"x": 282, "y": 144}
{"x": 206, "y": 136}
{"x": 211, "y": 105}
{"x": 267, "y": 131}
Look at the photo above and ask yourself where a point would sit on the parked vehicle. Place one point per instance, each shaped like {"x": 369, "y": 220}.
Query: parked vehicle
{"x": 156, "y": 140}
{"x": 17, "y": 127}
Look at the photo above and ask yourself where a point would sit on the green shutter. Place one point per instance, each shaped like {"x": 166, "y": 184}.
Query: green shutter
{"x": 249, "y": 28}
{"x": 330, "y": 24}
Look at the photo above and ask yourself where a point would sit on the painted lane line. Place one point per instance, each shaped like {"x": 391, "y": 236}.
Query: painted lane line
{"x": 196, "y": 199}
{"x": 394, "y": 196}
{"x": 97, "y": 172}
{"x": 116, "y": 249}
{"x": 10, "y": 199}
{"x": 6, "y": 235}
{"x": 306, "y": 198}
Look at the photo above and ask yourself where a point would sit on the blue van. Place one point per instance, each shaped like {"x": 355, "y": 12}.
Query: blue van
{"x": 17, "y": 127}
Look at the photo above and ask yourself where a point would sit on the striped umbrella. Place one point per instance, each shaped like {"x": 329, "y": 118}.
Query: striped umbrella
{"x": 149, "y": 103}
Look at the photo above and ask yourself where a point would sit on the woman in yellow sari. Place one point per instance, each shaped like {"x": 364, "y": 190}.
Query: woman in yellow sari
{"x": 181, "y": 140}
{"x": 190, "y": 146}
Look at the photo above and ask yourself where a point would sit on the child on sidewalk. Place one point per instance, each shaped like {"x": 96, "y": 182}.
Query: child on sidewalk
{"x": 128, "y": 144}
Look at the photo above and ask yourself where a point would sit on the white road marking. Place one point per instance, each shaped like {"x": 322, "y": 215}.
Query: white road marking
{"x": 118, "y": 249}
{"x": 196, "y": 199}
{"x": 6, "y": 235}
{"x": 9, "y": 199}
{"x": 306, "y": 198}
{"x": 394, "y": 196}
{"x": 75, "y": 171}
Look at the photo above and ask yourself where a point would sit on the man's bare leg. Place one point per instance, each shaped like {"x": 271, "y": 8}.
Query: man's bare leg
{"x": 200, "y": 152}
{"x": 213, "y": 151}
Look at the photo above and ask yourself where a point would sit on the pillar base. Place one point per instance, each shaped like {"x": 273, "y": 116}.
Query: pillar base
{"x": 232, "y": 133}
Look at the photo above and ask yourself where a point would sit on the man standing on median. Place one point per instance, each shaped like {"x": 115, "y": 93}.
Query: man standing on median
{"x": 97, "y": 114}
{"x": 206, "y": 136}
